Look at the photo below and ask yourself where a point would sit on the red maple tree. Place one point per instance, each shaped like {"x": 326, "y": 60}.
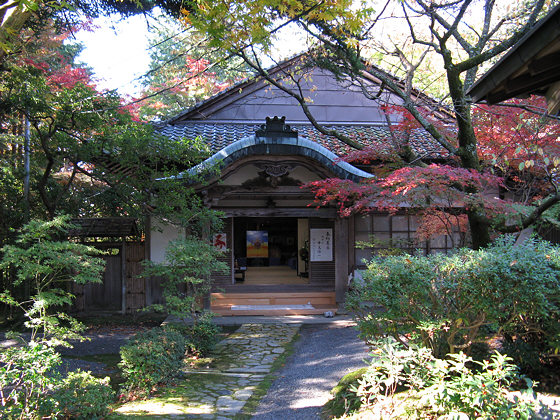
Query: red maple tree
{"x": 518, "y": 147}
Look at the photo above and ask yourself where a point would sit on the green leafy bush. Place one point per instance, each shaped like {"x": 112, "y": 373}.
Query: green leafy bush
{"x": 83, "y": 396}
{"x": 186, "y": 276}
{"x": 410, "y": 383}
{"x": 151, "y": 358}
{"x": 27, "y": 375}
{"x": 344, "y": 398}
{"x": 201, "y": 337}
{"x": 46, "y": 265}
{"x": 448, "y": 302}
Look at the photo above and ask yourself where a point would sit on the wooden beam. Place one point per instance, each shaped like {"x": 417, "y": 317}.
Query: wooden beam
{"x": 526, "y": 83}
{"x": 123, "y": 276}
{"x": 548, "y": 62}
{"x": 327, "y": 213}
{"x": 341, "y": 258}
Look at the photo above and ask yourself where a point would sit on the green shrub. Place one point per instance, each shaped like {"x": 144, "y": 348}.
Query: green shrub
{"x": 45, "y": 264}
{"x": 186, "y": 276}
{"x": 482, "y": 392}
{"x": 82, "y": 396}
{"x": 410, "y": 383}
{"x": 27, "y": 375}
{"x": 201, "y": 337}
{"x": 152, "y": 357}
{"x": 448, "y": 302}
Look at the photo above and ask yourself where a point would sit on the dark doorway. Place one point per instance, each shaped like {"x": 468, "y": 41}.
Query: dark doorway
{"x": 282, "y": 240}
{"x": 268, "y": 248}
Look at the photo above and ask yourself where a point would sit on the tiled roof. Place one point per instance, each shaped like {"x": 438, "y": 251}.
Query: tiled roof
{"x": 221, "y": 134}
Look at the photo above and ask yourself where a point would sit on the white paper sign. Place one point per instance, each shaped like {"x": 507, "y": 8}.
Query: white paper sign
{"x": 220, "y": 241}
{"x": 321, "y": 244}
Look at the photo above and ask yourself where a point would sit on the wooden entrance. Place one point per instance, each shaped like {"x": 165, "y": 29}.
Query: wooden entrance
{"x": 280, "y": 288}
{"x": 275, "y": 261}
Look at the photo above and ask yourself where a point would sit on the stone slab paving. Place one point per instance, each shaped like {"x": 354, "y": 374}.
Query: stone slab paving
{"x": 220, "y": 390}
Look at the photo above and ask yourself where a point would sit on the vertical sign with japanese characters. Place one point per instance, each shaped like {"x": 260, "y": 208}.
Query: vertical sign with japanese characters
{"x": 220, "y": 241}
{"x": 321, "y": 244}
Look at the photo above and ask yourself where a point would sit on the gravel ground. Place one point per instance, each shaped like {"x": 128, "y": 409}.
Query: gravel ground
{"x": 107, "y": 342}
{"x": 103, "y": 341}
{"x": 99, "y": 343}
{"x": 322, "y": 355}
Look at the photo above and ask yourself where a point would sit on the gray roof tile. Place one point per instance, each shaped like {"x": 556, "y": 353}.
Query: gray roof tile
{"x": 221, "y": 134}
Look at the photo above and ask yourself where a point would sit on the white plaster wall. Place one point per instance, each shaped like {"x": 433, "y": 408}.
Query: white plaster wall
{"x": 303, "y": 174}
{"x": 242, "y": 175}
{"x": 161, "y": 234}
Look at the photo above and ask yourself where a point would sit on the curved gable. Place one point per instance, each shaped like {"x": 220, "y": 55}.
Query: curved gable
{"x": 280, "y": 146}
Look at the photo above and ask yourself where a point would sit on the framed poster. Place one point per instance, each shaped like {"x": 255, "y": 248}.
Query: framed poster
{"x": 219, "y": 241}
{"x": 321, "y": 244}
{"x": 257, "y": 244}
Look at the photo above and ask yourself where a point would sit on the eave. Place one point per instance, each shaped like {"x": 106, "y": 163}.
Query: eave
{"x": 530, "y": 67}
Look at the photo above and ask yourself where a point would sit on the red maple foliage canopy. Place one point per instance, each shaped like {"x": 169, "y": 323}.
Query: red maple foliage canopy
{"x": 518, "y": 147}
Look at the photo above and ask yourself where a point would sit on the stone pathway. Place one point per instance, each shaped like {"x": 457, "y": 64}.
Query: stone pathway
{"x": 220, "y": 390}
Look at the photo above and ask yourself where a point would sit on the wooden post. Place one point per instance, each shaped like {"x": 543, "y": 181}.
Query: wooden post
{"x": 147, "y": 257}
{"x": 341, "y": 258}
{"x": 123, "y": 276}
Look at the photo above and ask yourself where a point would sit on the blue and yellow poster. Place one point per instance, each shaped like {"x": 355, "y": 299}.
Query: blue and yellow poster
{"x": 257, "y": 244}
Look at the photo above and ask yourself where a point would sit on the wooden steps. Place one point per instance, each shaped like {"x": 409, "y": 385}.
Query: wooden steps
{"x": 221, "y": 303}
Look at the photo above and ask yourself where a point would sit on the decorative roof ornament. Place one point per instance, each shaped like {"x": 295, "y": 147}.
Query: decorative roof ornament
{"x": 276, "y": 170}
{"x": 276, "y": 128}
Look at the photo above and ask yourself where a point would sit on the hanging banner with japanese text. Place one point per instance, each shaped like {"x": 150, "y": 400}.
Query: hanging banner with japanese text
{"x": 321, "y": 244}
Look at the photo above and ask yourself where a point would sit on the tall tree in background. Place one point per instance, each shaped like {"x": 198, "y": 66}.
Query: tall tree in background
{"x": 460, "y": 35}
{"x": 184, "y": 70}
{"x": 89, "y": 157}
{"x": 19, "y": 15}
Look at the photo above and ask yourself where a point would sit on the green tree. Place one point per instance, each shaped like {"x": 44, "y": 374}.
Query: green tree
{"x": 186, "y": 271}
{"x": 18, "y": 15}
{"x": 89, "y": 156}
{"x": 44, "y": 259}
{"x": 184, "y": 70}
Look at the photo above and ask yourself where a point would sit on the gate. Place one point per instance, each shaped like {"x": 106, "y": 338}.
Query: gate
{"x": 122, "y": 290}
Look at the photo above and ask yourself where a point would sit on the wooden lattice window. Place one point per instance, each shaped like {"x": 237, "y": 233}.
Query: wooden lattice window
{"x": 385, "y": 233}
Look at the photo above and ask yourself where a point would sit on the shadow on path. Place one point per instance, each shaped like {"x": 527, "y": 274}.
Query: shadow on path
{"x": 322, "y": 356}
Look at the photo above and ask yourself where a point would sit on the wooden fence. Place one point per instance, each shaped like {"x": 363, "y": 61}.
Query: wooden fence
{"x": 122, "y": 289}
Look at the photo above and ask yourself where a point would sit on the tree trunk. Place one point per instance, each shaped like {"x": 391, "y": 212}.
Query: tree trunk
{"x": 467, "y": 152}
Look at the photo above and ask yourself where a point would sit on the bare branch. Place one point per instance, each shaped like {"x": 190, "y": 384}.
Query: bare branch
{"x": 410, "y": 106}
{"x": 417, "y": 40}
{"x": 430, "y": 10}
{"x": 504, "y": 45}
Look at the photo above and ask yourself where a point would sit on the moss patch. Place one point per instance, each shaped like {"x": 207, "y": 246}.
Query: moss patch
{"x": 343, "y": 400}
{"x": 110, "y": 360}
